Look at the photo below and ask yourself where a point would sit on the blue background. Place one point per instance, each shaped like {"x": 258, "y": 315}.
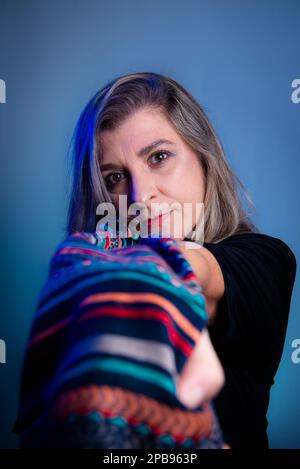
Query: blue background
{"x": 238, "y": 58}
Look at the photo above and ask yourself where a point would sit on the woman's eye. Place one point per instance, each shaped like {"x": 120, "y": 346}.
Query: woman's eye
{"x": 113, "y": 179}
{"x": 159, "y": 154}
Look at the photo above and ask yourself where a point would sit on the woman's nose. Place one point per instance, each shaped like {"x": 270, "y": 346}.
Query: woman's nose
{"x": 143, "y": 188}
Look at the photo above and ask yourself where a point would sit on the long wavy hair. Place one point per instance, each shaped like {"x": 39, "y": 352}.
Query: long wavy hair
{"x": 224, "y": 212}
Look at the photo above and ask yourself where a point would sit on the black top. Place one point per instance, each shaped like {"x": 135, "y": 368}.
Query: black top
{"x": 249, "y": 330}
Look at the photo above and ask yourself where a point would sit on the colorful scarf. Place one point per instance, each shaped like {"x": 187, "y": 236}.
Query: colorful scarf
{"x": 115, "y": 323}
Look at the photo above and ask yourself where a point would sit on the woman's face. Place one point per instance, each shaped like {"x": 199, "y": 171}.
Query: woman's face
{"x": 168, "y": 173}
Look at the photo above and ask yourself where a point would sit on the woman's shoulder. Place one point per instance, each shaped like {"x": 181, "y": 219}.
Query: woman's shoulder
{"x": 256, "y": 239}
{"x": 256, "y": 248}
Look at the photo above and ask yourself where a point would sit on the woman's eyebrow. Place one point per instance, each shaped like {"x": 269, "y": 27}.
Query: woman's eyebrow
{"x": 143, "y": 151}
{"x": 153, "y": 145}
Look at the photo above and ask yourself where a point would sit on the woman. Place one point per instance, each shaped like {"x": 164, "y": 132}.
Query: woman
{"x": 246, "y": 277}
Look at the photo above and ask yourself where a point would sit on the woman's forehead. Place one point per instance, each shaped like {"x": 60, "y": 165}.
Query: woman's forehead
{"x": 138, "y": 133}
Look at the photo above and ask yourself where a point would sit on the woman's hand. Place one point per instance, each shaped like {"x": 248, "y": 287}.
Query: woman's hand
{"x": 202, "y": 376}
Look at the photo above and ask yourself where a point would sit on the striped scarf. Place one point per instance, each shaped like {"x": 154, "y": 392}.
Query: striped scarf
{"x": 113, "y": 328}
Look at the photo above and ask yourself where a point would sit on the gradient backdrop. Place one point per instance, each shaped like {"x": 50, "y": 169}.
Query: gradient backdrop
{"x": 238, "y": 58}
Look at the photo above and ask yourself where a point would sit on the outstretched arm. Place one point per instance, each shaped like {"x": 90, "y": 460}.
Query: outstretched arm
{"x": 203, "y": 376}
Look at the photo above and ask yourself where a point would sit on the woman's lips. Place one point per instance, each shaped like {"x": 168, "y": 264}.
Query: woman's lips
{"x": 152, "y": 222}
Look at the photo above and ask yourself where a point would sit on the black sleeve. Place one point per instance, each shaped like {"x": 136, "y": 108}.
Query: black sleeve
{"x": 251, "y": 320}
